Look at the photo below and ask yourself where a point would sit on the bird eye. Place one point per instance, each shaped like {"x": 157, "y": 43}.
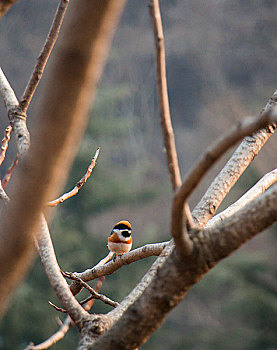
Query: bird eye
{"x": 126, "y": 234}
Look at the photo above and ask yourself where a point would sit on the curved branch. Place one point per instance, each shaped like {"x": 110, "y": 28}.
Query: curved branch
{"x": 58, "y": 283}
{"x": 54, "y": 338}
{"x": 260, "y": 187}
{"x": 232, "y": 171}
{"x": 79, "y": 184}
{"x": 165, "y": 118}
{"x": 213, "y": 153}
{"x": 128, "y": 258}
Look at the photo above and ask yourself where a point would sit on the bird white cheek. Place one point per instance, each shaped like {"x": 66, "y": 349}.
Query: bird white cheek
{"x": 119, "y": 248}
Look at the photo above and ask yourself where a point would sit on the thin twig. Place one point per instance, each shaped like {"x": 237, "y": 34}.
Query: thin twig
{"x": 79, "y": 184}
{"x": 260, "y": 187}
{"x": 57, "y": 308}
{"x": 93, "y": 293}
{"x": 54, "y": 338}
{"x": 9, "y": 172}
{"x": 195, "y": 175}
{"x": 65, "y": 325}
{"x": 5, "y": 143}
{"x": 165, "y": 119}
{"x": 44, "y": 55}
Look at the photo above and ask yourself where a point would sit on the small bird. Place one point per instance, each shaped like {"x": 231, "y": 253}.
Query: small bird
{"x": 120, "y": 239}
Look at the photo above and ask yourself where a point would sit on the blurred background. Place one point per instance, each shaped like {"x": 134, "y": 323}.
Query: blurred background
{"x": 221, "y": 67}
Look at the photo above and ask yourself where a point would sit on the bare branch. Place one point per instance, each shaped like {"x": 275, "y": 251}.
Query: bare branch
{"x": 260, "y": 187}
{"x": 57, "y": 308}
{"x": 54, "y": 338}
{"x": 165, "y": 119}
{"x": 9, "y": 172}
{"x": 44, "y": 55}
{"x": 232, "y": 171}
{"x": 64, "y": 326}
{"x": 93, "y": 293}
{"x": 5, "y": 143}
{"x": 61, "y": 288}
{"x": 213, "y": 153}
{"x": 128, "y": 258}
{"x": 5, "y": 6}
{"x": 79, "y": 184}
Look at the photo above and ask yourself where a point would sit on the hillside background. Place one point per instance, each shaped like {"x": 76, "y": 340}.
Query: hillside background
{"x": 221, "y": 67}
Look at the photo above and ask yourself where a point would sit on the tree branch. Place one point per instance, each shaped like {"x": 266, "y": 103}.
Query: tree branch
{"x": 260, "y": 187}
{"x": 64, "y": 326}
{"x": 127, "y": 258}
{"x": 165, "y": 118}
{"x": 213, "y": 153}
{"x": 232, "y": 171}
{"x": 58, "y": 283}
{"x": 225, "y": 237}
{"x": 16, "y": 116}
{"x": 54, "y": 338}
{"x": 43, "y": 56}
{"x": 79, "y": 184}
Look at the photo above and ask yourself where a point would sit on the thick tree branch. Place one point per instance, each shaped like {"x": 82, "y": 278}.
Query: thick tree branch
{"x": 43, "y": 56}
{"x": 165, "y": 119}
{"x": 76, "y": 69}
{"x": 260, "y": 187}
{"x": 79, "y": 184}
{"x": 232, "y": 171}
{"x": 225, "y": 237}
{"x": 168, "y": 280}
{"x": 213, "y": 153}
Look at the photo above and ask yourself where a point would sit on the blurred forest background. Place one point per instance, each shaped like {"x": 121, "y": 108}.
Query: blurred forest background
{"x": 221, "y": 67}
